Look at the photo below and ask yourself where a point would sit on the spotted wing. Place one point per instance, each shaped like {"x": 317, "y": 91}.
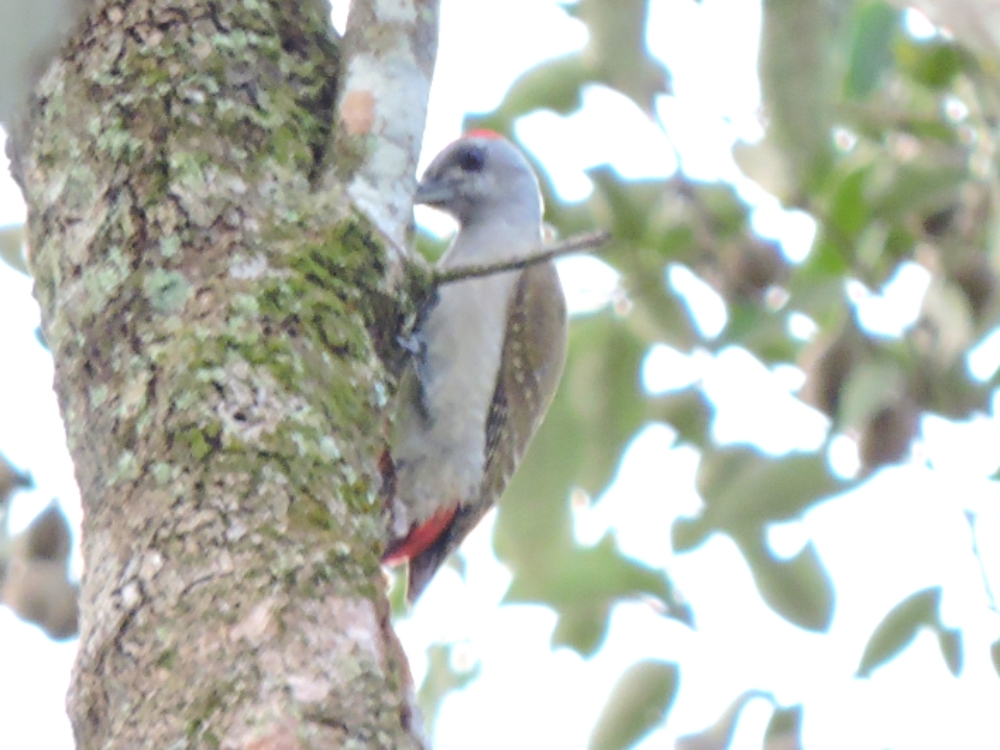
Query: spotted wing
{"x": 535, "y": 348}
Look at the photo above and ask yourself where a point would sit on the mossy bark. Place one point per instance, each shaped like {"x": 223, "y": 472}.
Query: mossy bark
{"x": 215, "y": 321}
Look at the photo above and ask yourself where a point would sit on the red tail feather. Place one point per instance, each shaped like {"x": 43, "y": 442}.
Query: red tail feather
{"x": 420, "y": 538}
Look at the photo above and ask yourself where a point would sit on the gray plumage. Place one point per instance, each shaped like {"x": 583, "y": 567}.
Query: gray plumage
{"x": 491, "y": 354}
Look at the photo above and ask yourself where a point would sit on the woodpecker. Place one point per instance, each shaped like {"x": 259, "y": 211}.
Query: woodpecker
{"x": 488, "y": 356}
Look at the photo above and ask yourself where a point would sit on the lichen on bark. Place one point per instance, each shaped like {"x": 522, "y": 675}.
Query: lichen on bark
{"x": 218, "y": 326}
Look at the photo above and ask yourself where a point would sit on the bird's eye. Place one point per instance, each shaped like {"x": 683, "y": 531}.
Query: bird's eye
{"x": 472, "y": 159}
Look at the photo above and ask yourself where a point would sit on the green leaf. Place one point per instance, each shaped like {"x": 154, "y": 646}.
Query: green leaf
{"x": 441, "y": 680}
{"x": 651, "y": 222}
{"x": 761, "y": 331}
{"x": 849, "y": 210}
{"x": 583, "y": 584}
{"x": 869, "y": 386}
{"x": 899, "y": 627}
{"x": 931, "y": 128}
{"x": 688, "y": 533}
{"x": 396, "y": 594}
{"x": 827, "y": 263}
{"x": 800, "y": 590}
{"x": 687, "y": 411}
{"x": 950, "y": 641}
{"x": 430, "y": 247}
{"x": 658, "y": 313}
{"x": 533, "y": 521}
{"x": 918, "y": 188}
{"x": 581, "y": 628}
{"x": 604, "y": 384}
{"x": 765, "y": 163}
{"x": 798, "y": 77}
{"x": 554, "y": 84}
{"x": 639, "y": 701}
{"x": 30, "y": 36}
{"x": 12, "y": 247}
{"x": 726, "y": 211}
{"x": 598, "y": 409}
{"x": 871, "y": 49}
{"x": 624, "y": 207}
{"x": 11, "y": 480}
{"x": 742, "y": 488}
{"x": 784, "y": 730}
{"x": 617, "y": 51}
{"x": 931, "y": 63}
{"x": 946, "y": 312}
{"x": 720, "y": 734}
{"x": 995, "y": 656}
{"x": 616, "y": 55}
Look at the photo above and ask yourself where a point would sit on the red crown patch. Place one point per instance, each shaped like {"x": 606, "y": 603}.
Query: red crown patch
{"x": 482, "y": 133}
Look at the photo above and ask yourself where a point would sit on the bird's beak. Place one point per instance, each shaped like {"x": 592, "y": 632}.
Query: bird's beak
{"x": 434, "y": 192}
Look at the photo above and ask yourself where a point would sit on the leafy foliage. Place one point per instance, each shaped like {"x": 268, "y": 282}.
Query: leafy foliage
{"x": 720, "y": 734}
{"x": 34, "y": 575}
{"x": 11, "y": 247}
{"x": 639, "y": 701}
{"x": 862, "y": 135}
{"x": 884, "y": 140}
{"x": 442, "y": 678}
{"x": 899, "y": 627}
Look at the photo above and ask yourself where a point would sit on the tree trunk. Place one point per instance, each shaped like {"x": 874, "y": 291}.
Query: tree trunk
{"x": 217, "y": 309}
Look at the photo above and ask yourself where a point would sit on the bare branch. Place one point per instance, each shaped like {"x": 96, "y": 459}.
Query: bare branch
{"x": 387, "y": 61}
{"x": 970, "y": 518}
{"x": 575, "y": 244}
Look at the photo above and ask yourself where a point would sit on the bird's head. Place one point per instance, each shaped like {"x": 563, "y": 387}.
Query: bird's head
{"x": 480, "y": 177}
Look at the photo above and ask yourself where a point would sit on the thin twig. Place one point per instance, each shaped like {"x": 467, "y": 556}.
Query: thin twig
{"x": 970, "y": 517}
{"x": 575, "y": 244}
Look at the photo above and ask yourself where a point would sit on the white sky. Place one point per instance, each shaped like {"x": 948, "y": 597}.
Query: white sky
{"x": 902, "y": 531}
